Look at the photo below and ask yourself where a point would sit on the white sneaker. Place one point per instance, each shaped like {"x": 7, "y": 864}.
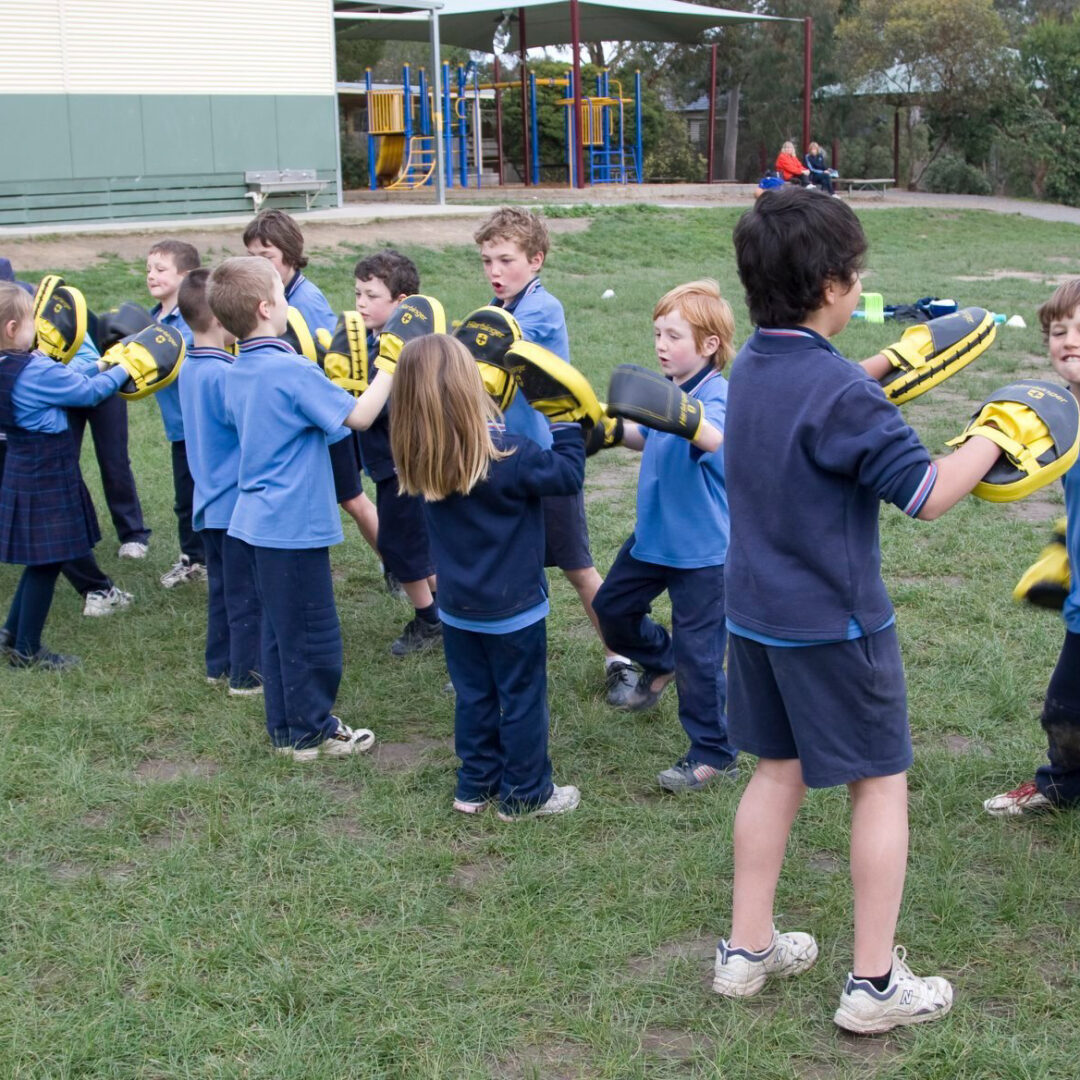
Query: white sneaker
{"x": 183, "y": 571}
{"x": 907, "y": 999}
{"x": 342, "y": 743}
{"x": 740, "y": 973}
{"x": 561, "y": 801}
{"x": 246, "y": 691}
{"x": 1025, "y": 799}
{"x": 106, "y": 601}
{"x": 133, "y": 549}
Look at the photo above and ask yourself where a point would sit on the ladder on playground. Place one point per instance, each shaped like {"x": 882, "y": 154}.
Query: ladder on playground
{"x": 419, "y": 163}
{"x": 612, "y": 166}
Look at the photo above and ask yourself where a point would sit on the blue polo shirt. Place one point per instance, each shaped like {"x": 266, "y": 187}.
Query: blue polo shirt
{"x": 543, "y": 321}
{"x": 682, "y": 508}
{"x": 283, "y": 408}
{"x": 45, "y": 389}
{"x": 1071, "y": 611}
{"x": 213, "y": 449}
{"x": 168, "y": 399}
{"x": 308, "y": 299}
{"x": 811, "y": 448}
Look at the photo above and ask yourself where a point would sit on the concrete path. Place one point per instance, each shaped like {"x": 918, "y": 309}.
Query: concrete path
{"x": 366, "y": 207}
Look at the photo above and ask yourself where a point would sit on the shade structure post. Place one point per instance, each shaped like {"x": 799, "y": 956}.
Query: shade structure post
{"x": 808, "y": 58}
{"x": 575, "y": 44}
{"x": 712, "y": 113}
{"x": 498, "y": 118}
{"x": 523, "y": 48}
{"x": 437, "y": 113}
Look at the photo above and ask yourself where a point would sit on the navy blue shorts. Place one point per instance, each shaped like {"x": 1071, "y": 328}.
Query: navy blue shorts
{"x": 566, "y": 532}
{"x": 345, "y": 461}
{"x": 841, "y": 708}
{"x": 403, "y": 535}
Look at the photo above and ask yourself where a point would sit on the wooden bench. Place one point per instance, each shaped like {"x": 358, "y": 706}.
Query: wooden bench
{"x": 264, "y": 182}
{"x": 880, "y": 184}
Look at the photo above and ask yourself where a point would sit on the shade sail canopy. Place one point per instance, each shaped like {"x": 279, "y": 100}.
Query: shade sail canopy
{"x": 474, "y": 24}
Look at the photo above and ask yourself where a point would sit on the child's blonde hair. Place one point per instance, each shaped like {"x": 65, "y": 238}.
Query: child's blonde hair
{"x": 707, "y": 312}
{"x": 1064, "y": 300}
{"x": 15, "y": 306}
{"x": 519, "y": 225}
{"x": 236, "y": 288}
{"x": 439, "y": 416}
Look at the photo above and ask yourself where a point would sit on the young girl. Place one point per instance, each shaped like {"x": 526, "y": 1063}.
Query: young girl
{"x": 680, "y": 542}
{"x": 46, "y": 516}
{"x": 482, "y": 488}
{"x": 276, "y": 237}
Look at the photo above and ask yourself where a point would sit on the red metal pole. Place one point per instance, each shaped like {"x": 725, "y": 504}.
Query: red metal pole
{"x": 712, "y": 114}
{"x": 808, "y": 56}
{"x": 522, "y": 47}
{"x": 498, "y": 120}
{"x": 896, "y": 145}
{"x": 575, "y": 39}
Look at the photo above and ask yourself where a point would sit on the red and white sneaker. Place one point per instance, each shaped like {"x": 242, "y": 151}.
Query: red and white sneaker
{"x": 1025, "y": 799}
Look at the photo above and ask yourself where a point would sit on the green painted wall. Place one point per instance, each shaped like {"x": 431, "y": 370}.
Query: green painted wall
{"x": 85, "y": 156}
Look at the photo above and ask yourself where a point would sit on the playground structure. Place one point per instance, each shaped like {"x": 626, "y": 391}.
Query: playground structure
{"x": 401, "y": 135}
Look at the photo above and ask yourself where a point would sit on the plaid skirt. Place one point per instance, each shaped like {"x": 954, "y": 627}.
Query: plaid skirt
{"x": 46, "y": 515}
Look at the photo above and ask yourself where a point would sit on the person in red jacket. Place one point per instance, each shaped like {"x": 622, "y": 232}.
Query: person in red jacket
{"x": 790, "y": 168}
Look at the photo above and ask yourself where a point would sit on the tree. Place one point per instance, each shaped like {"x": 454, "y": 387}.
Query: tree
{"x": 949, "y": 57}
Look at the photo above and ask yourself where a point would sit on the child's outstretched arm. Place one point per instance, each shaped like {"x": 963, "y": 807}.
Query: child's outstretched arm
{"x": 370, "y": 403}
{"x": 957, "y": 474}
{"x": 646, "y": 398}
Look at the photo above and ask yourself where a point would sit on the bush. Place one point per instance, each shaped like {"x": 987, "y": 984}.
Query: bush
{"x": 952, "y": 175}
{"x": 673, "y": 158}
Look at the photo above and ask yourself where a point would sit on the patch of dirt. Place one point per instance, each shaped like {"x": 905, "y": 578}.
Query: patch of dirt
{"x": 865, "y": 1050}
{"x": 176, "y": 769}
{"x": 78, "y": 871}
{"x": 1024, "y": 275}
{"x": 701, "y": 950}
{"x": 1039, "y": 506}
{"x": 182, "y": 825}
{"x": 615, "y": 477}
{"x": 468, "y": 875}
{"x": 407, "y": 755}
{"x": 350, "y": 829}
{"x": 555, "y": 1060}
{"x": 826, "y": 863}
{"x": 961, "y": 744}
{"x": 674, "y": 1045}
{"x": 322, "y": 240}
{"x": 95, "y": 819}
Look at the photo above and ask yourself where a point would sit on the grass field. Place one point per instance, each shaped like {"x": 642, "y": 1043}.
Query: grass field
{"x": 180, "y": 903}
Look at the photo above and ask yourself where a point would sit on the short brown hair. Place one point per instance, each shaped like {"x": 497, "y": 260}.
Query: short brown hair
{"x": 396, "y": 271}
{"x": 277, "y": 228}
{"x": 1064, "y": 300}
{"x": 439, "y": 416}
{"x": 185, "y": 256}
{"x": 15, "y": 305}
{"x": 193, "y": 302}
{"x": 236, "y": 288}
{"x": 707, "y": 312}
{"x": 518, "y": 224}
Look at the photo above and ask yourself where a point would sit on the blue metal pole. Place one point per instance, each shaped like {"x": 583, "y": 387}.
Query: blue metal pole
{"x": 533, "y": 112}
{"x": 373, "y": 181}
{"x": 604, "y": 118}
{"x": 448, "y": 126}
{"x": 478, "y": 134}
{"x": 463, "y": 129}
{"x": 407, "y": 110}
{"x": 569, "y": 125}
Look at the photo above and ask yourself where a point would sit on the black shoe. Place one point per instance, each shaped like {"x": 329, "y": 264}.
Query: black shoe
{"x": 643, "y": 697}
{"x": 621, "y": 680}
{"x": 417, "y": 637}
{"x": 47, "y": 661}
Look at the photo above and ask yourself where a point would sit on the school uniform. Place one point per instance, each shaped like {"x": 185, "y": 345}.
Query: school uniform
{"x": 213, "y": 452}
{"x": 283, "y": 408}
{"x": 308, "y": 299}
{"x": 109, "y": 430}
{"x": 543, "y": 321}
{"x": 403, "y": 542}
{"x": 46, "y": 515}
{"x": 679, "y": 544}
{"x": 811, "y": 447}
{"x": 493, "y": 602}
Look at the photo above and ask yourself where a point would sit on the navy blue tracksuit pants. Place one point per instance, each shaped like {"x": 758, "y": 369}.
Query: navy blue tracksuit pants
{"x": 232, "y": 611}
{"x": 191, "y": 543}
{"x": 109, "y": 430}
{"x": 501, "y": 715}
{"x": 694, "y": 649}
{"x": 1059, "y": 780}
{"x": 301, "y": 654}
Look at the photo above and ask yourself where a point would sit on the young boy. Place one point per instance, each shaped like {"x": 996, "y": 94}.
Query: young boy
{"x": 817, "y": 692}
{"x": 382, "y": 282}
{"x": 167, "y": 263}
{"x": 1058, "y": 784}
{"x": 213, "y": 453}
{"x": 285, "y": 515}
{"x": 514, "y": 243}
{"x": 275, "y": 236}
{"x": 679, "y": 542}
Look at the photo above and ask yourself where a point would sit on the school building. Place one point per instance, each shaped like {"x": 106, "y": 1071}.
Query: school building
{"x": 155, "y": 108}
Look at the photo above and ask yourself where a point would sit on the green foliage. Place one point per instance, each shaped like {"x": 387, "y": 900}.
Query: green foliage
{"x": 950, "y": 173}
{"x": 180, "y": 904}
